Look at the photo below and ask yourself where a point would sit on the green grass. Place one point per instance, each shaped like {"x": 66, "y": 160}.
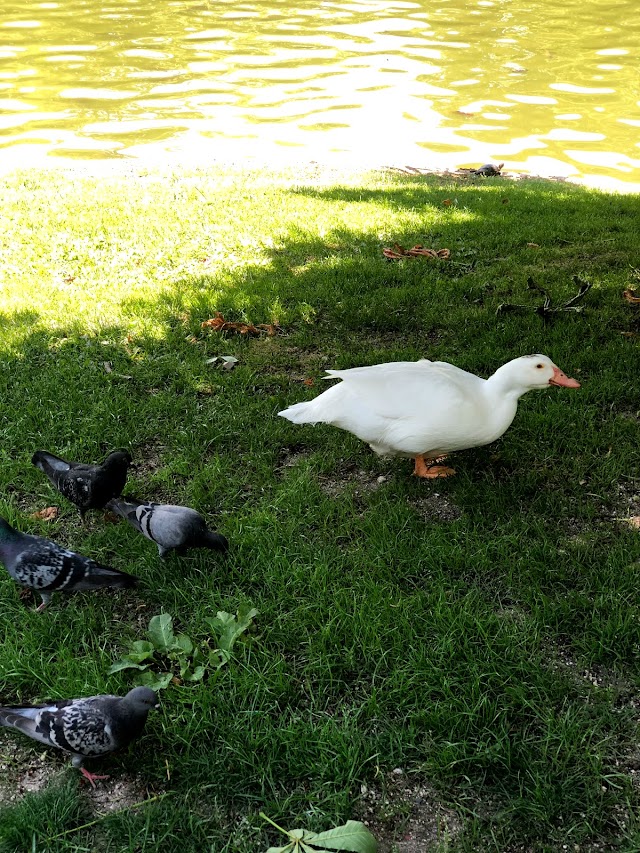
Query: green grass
{"x": 461, "y": 647}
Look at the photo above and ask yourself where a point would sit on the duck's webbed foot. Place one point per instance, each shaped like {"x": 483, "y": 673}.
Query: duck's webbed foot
{"x": 429, "y": 469}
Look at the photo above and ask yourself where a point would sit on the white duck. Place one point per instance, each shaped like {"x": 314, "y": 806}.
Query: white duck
{"x": 427, "y": 409}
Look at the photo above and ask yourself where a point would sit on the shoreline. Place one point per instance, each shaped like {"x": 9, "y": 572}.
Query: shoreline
{"x": 337, "y": 168}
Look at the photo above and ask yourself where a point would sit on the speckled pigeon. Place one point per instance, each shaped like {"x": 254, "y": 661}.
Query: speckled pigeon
{"x": 39, "y": 564}
{"x": 87, "y": 727}
{"x": 87, "y": 486}
{"x": 170, "y": 527}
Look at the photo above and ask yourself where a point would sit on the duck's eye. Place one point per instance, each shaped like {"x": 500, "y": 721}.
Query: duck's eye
{"x": 539, "y": 366}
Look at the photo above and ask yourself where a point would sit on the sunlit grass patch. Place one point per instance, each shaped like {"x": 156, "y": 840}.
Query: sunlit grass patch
{"x": 401, "y": 624}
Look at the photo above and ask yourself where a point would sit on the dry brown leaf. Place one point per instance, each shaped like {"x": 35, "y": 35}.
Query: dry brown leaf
{"x": 447, "y": 202}
{"x": 308, "y": 382}
{"x": 416, "y": 251}
{"x": 47, "y": 514}
{"x": 533, "y": 245}
{"x": 219, "y": 324}
{"x": 634, "y": 521}
{"x": 630, "y": 295}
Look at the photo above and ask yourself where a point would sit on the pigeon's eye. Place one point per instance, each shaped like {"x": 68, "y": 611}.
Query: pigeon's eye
{"x": 539, "y": 366}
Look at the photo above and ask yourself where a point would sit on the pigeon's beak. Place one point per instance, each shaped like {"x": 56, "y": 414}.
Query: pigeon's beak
{"x": 559, "y": 378}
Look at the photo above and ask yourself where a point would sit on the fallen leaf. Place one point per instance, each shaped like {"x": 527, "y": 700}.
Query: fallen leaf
{"x": 533, "y": 245}
{"x": 47, "y": 514}
{"x": 416, "y": 251}
{"x": 228, "y": 361}
{"x": 447, "y": 202}
{"x": 309, "y": 382}
{"x": 69, "y": 278}
{"x": 219, "y": 324}
{"x": 630, "y": 295}
{"x": 634, "y": 521}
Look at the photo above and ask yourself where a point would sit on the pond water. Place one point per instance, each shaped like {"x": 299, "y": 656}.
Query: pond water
{"x": 545, "y": 87}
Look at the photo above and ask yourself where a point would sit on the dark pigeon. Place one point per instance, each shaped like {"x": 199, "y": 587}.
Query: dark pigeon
{"x": 39, "y": 564}
{"x": 87, "y": 727}
{"x": 87, "y": 486}
{"x": 170, "y": 527}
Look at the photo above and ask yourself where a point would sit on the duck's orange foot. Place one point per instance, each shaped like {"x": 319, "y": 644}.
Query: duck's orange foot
{"x": 427, "y": 468}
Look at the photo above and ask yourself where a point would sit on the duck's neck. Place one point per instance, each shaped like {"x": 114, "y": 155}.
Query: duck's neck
{"x": 504, "y": 386}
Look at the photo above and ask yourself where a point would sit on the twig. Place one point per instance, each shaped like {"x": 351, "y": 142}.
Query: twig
{"x": 111, "y": 814}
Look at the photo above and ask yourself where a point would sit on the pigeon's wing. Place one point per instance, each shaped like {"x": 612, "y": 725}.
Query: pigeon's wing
{"x": 82, "y": 726}
{"x": 49, "y": 464}
{"x": 45, "y": 566}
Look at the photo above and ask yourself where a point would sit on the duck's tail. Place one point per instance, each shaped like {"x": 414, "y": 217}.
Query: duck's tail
{"x": 300, "y": 413}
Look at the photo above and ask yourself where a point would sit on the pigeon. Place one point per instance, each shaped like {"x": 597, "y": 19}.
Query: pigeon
{"x": 87, "y": 486}
{"x": 86, "y": 727}
{"x": 39, "y": 564}
{"x": 170, "y": 527}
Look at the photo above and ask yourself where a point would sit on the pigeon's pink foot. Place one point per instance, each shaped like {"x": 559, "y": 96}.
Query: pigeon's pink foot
{"x": 41, "y": 607}
{"x": 429, "y": 470}
{"x": 91, "y": 777}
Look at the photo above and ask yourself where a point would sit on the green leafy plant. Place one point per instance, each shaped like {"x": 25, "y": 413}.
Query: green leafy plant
{"x": 352, "y": 836}
{"x": 182, "y": 659}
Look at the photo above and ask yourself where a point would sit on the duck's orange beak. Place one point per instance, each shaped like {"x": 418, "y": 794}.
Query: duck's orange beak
{"x": 560, "y": 378}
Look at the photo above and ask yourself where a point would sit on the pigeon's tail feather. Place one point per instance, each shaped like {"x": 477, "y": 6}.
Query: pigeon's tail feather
{"x": 106, "y": 576}
{"x": 123, "y": 506}
{"x": 19, "y": 718}
{"x": 216, "y": 541}
{"x": 48, "y": 463}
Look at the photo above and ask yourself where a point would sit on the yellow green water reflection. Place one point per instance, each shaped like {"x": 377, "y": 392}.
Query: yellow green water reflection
{"x": 545, "y": 87}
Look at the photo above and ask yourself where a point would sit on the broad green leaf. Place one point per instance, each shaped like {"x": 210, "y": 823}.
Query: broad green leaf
{"x": 140, "y": 647}
{"x": 353, "y": 836}
{"x": 196, "y": 675}
{"x": 219, "y": 657}
{"x": 154, "y": 680}
{"x": 183, "y": 644}
{"x": 228, "y": 628}
{"x": 124, "y": 664}
{"x": 161, "y": 632}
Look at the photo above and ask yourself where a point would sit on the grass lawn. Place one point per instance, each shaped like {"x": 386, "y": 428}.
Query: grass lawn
{"x": 479, "y": 636}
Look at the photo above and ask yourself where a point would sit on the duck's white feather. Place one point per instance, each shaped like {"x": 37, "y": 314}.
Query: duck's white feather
{"x": 409, "y": 408}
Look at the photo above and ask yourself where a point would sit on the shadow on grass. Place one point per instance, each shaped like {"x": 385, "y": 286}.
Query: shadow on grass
{"x": 386, "y": 637}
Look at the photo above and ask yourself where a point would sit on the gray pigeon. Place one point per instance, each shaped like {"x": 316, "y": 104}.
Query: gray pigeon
{"x": 39, "y": 564}
{"x": 170, "y": 527}
{"x": 87, "y": 486}
{"x": 84, "y": 727}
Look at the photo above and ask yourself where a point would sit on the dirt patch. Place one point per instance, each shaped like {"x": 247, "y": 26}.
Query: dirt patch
{"x": 21, "y": 772}
{"x": 114, "y": 794}
{"x": 407, "y": 816}
{"x": 628, "y": 499}
{"x": 351, "y": 478}
{"x": 436, "y": 507}
{"x": 289, "y": 457}
{"x": 147, "y": 459}
{"x": 26, "y": 772}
